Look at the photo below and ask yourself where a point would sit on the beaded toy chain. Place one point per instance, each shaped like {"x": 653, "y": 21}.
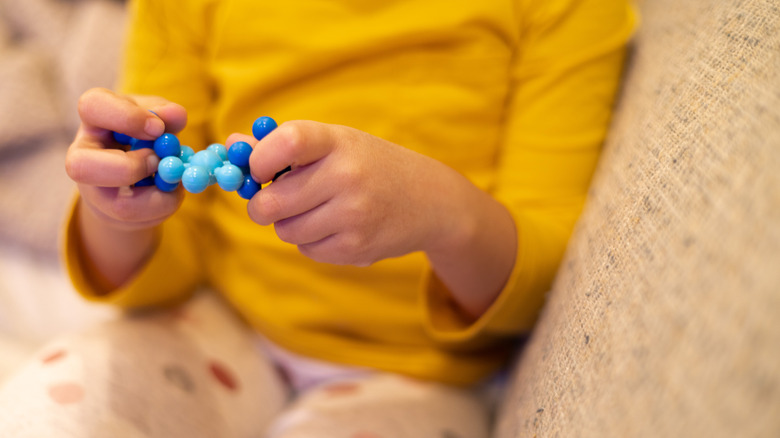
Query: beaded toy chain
{"x": 229, "y": 168}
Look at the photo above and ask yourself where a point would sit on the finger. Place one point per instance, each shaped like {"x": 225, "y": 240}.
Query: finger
{"x": 308, "y": 227}
{"x": 127, "y": 207}
{"x": 101, "y": 111}
{"x": 300, "y": 191}
{"x": 338, "y": 249}
{"x": 109, "y": 167}
{"x": 294, "y": 144}
{"x": 233, "y": 138}
{"x": 322, "y": 250}
{"x": 172, "y": 114}
{"x": 144, "y": 117}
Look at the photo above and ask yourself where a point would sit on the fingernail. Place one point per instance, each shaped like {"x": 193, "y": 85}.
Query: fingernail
{"x": 152, "y": 161}
{"x": 154, "y": 127}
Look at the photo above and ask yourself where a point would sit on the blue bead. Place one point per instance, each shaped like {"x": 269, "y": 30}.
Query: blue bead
{"x": 167, "y": 145}
{"x": 249, "y": 187}
{"x": 186, "y": 154}
{"x": 136, "y": 144}
{"x": 122, "y": 138}
{"x": 263, "y": 126}
{"x": 207, "y": 159}
{"x": 239, "y": 153}
{"x": 219, "y": 149}
{"x": 229, "y": 177}
{"x": 195, "y": 179}
{"x": 146, "y": 182}
{"x": 162, "y": 185}
{"x": 170, "y": 169}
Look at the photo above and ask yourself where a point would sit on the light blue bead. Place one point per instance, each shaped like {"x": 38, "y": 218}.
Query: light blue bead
{"x": 195, "y": 179}
{"x": 170, "y": 169}
{"x": 186, "y": 154}
{"x": 219, "y": 149}
{"x": 229, "y": 177}
{"x": 207, "y": 159}
{"x": 167, "y": 145}
{"x": 263, "y": 126}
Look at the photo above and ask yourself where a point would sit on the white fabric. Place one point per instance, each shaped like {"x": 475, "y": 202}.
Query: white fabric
{"x": 304, "y": 373}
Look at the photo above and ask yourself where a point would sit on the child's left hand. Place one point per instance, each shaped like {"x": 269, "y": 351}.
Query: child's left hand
{"x": 352, "y": 198}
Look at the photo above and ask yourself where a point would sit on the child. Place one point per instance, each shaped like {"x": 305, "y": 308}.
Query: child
{"x": 440, "y": 154}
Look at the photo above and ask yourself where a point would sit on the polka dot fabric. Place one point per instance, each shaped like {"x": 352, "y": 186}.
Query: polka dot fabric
{"x": 197, "y": 371}
{"x": 192, "y": 371}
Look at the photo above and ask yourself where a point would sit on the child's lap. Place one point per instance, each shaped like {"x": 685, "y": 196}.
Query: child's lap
{"x": 196, "y": 371}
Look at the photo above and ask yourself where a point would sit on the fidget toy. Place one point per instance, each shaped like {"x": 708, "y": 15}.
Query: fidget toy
{"x": 195, "y": 171}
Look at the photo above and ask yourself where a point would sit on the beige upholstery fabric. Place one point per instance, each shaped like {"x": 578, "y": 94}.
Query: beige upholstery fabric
{"x": 664, "y": 320}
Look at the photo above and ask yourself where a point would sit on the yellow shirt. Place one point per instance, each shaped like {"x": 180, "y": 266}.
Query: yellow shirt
{"x": 515, "y": 95}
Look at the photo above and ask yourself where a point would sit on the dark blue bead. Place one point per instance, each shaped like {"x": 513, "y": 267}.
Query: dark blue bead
{"x": 122, "y": 138}
{"x": 249, "y": 188}
{"x": 136, "y": 144}
{"x": 162, "y": 185}
{"x": 263, "y": 126}
{"x": 239, "y": 153}
{"x": 167, "y": 145}
{"x": 146, "y": 182}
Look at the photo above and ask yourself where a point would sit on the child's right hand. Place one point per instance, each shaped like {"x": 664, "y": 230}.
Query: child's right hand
{"x": 105, "y": 170}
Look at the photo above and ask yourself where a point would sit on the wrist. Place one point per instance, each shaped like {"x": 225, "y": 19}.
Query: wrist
{"x": 455, "y": 209}
{"x": 474, "y": 250}
{"x": 109, "y": 253}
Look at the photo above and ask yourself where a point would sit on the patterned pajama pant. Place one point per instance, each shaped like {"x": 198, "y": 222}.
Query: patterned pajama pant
{"x": 197, "y": 372}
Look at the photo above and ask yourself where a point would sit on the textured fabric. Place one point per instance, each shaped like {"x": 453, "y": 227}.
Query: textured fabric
{"x": 663, "y": 321}
{"x": 381, "y": 405}
{"x": 51, "y": 52}
{"x": 470, "y": 86}
{"x": 302, "y": 372}
{"x": 196, "y": 371}
{"x": 192, "y": 371}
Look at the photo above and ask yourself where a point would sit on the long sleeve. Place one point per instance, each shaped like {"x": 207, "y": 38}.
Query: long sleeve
{"x": 565, "y": 76}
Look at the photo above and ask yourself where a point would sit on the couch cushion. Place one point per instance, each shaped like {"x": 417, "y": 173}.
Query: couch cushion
{"x": 664, "y": 319}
